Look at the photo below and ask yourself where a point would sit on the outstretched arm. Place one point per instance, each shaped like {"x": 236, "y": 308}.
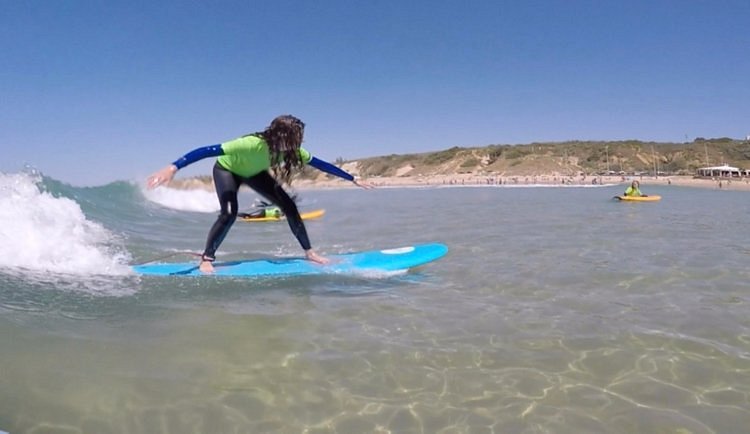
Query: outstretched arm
{"x": 198, "y": 154}
{"x": 336, "y": 171}
{"x": 166, "y": 174}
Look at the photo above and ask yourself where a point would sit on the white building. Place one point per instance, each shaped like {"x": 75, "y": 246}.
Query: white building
{"x": 723, "y": 171}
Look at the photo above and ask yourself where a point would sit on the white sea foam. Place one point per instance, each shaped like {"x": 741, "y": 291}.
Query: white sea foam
{"x": 40, "y": 232}
{"x": 196, "y": 200}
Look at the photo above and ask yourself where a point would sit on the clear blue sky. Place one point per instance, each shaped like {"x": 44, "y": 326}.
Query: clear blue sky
{"x": 97, "y": 91}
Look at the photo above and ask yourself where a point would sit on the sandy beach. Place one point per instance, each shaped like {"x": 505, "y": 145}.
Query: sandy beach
{"x": 324, "y": 181}
{"x": 475, "y": 180}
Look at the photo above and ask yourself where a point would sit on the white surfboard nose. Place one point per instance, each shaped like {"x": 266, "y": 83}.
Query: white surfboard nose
{"x": 398, "y": 250}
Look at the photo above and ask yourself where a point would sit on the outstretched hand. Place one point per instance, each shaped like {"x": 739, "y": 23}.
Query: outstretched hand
{"x": 161, "y": 177}
{"x": 363, "y": 184}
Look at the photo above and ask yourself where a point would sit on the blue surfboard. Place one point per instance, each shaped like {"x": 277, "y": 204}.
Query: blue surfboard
{"x": 388, "y": 260}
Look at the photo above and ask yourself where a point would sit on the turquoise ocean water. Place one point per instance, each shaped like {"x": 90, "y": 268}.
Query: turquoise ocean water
{"x": 556, "y": 310}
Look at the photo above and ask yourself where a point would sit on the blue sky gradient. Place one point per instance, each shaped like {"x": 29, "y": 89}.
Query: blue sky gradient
{"x": 92, "y": 92}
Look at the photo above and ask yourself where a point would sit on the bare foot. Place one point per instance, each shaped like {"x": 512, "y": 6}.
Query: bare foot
{"x": 314, "y": 257}
{"x": 206, "y": 267}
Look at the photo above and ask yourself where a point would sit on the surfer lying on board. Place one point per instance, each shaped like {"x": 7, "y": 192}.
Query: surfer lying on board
{"x": 268, "y": 212}
{"x": 251, "y": 160}
{"x": 633, "y": 190}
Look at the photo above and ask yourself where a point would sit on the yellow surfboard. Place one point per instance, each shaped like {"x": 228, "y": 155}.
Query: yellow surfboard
{"x": 311, "y": 215}
{"x": 649, "y": 198}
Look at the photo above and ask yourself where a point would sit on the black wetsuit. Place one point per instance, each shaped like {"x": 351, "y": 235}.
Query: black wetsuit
{"x": 228, "y": 184}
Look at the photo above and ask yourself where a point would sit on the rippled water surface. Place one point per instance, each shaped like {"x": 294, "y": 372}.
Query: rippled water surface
{"x": 555, "y": 310}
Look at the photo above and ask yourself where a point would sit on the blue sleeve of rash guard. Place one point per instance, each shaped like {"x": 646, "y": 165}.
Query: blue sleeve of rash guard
{"x": 330, "y": 168}
{"x": 198, "y": 154}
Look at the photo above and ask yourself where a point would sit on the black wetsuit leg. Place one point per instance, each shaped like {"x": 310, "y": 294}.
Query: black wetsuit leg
{"x": 227, "y": 185}
{"x": 269, "y": 188}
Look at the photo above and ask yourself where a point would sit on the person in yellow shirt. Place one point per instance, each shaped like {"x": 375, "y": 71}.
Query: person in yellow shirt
{"x": 267, "y": 212}
{"x": 633, "y": 190}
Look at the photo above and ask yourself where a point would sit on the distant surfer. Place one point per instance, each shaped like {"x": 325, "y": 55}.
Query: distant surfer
{"x": 273, "y": 212}
{"x": 634, "y": 190}
{"x": 265, "y": 210}
{"x": 263, "y": 161}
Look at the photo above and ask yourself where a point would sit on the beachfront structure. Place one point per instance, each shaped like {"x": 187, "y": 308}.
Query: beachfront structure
{"x": 723, "y": 171}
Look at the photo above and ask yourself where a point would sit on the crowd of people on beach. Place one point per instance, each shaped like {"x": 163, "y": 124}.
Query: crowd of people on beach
{"x": 537, "y": 180}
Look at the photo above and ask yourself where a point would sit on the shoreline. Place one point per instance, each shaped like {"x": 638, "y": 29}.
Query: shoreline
{"x": 536, "y": 181}
{"x": 458, "y": 180}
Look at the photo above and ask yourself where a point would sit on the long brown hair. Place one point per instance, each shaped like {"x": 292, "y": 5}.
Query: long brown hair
{"x": 284, "y": 138}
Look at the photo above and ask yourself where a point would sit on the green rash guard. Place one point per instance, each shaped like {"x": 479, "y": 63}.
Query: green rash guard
{"x": 273, "y": 211}
{"x": 633, "y": 191}
{"x": 247, "y": 156}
